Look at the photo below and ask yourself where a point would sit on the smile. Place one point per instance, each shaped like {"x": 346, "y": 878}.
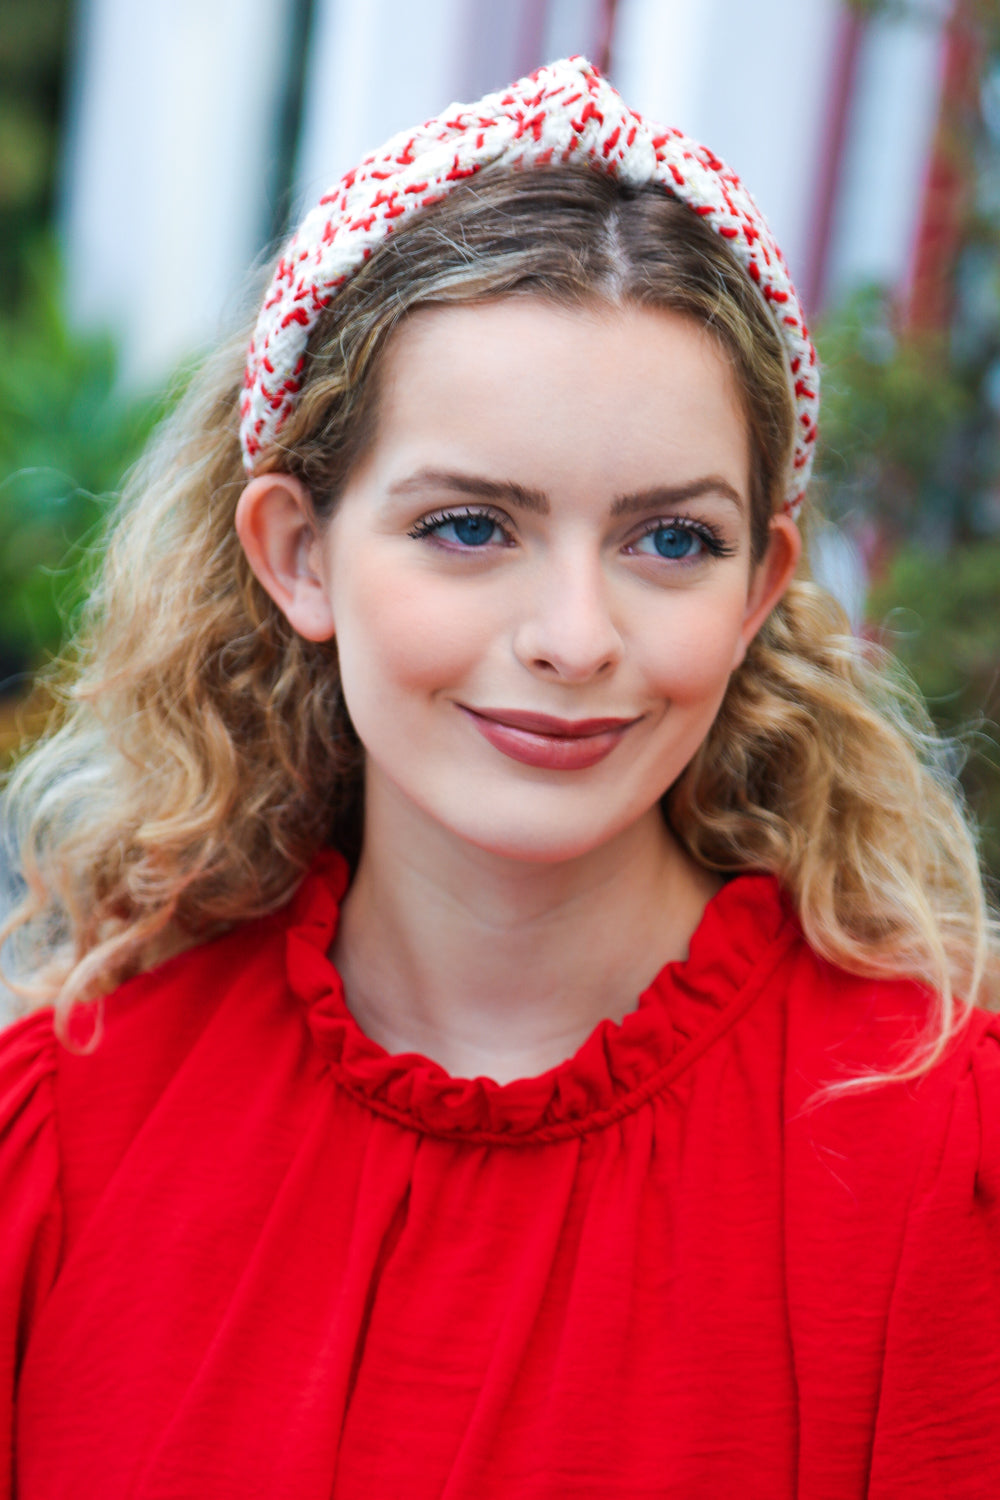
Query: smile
{"x": 541, "y": 740}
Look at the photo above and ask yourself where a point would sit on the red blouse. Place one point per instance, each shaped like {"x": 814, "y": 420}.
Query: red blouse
{"x": 245, "y": 1252}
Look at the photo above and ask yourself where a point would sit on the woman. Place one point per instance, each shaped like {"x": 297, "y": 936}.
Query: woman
{"x": 509, "y": 949}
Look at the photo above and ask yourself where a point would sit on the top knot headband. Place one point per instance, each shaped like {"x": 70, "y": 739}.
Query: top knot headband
{"x": 564, "y": 112}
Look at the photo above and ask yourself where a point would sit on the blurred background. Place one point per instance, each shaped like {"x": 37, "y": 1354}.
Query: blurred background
{"x": 150, "y": 150}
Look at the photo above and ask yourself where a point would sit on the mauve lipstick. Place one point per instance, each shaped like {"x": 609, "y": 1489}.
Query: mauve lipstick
{"x": 545, "y": 741}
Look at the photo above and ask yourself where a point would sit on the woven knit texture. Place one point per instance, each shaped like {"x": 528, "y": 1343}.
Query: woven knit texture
{"x": 564, "y": 112}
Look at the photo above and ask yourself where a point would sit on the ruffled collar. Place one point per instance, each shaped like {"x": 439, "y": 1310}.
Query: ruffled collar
{"x": 743, "y": 933}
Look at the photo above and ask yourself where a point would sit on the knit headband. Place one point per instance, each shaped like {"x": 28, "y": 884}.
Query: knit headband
{"x": 564, "y": 112}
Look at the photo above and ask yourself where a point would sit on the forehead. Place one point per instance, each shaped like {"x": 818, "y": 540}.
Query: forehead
{"x": 591, "y": 398}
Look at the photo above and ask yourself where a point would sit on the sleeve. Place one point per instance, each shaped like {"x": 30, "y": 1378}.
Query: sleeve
{"x": 939, "y": 1408}
{"x": 30, "y": 1210}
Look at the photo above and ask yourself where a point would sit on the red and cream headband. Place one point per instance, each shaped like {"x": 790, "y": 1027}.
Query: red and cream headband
{"x": 564, "y": 112}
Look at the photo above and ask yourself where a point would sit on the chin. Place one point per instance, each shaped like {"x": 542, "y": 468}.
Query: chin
{"x": 539, "y": 842}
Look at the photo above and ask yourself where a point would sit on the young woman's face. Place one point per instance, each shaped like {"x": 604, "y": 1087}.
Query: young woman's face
{"x": 540, "y": 578}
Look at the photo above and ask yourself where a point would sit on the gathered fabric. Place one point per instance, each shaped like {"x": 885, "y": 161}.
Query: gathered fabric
{"x": 247, "y": 1252}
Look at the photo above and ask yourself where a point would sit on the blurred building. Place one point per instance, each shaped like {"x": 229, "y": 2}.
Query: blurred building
{"x": 199, "y": 126}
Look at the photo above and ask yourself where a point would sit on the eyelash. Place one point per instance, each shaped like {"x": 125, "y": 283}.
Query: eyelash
{"x": 711, "y": 539}
{"x": 429, "y": 525}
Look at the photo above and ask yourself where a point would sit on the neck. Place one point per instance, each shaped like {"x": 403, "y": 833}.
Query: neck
{"x": 500, "y": 967}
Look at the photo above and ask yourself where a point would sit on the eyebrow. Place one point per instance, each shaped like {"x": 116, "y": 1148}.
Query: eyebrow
{"x": 665, "y": 496}
{"x": 518, "y": 495}
{"x": 659, "y": 497}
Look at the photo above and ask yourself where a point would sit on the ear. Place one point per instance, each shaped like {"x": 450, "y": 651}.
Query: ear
{"x": 276, "y": 525}
{"x": 769, "y": 579}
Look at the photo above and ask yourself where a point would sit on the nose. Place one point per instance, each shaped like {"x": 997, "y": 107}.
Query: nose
{"x": 567, "y": 629}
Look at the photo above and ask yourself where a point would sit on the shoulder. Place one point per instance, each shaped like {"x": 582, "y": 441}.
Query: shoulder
{"x": 859, "y": 1132}
{"x": 221, "y": 998}
{"x": 29, "y": 1152}
{"x": 127, "y": 1044}
{"x": 982, "y": 1104}
{"x": 31, "y": 1242}
{"x": 233, "y": 987}
{"x": 892, "y": 1236}
{"x": 175, "y": 1064}
{"x": 942, "y": 1338}
{"x": 28, "y": 1063}
{"x": 831, "y": 1024}
{"x": 840, "y": 1036}
{"x": 211, "y": 1021}
{"x": 842, "y": 1025}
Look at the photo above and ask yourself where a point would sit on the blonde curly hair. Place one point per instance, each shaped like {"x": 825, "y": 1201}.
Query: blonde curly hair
{"x": 201, "y": 751}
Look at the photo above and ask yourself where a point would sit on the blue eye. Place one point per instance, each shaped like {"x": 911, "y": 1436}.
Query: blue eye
{"x": 671, "y": 541}
{"x": 462, "y": 529}
{"x": 676, "y": 543}
{"x": 472, "y": 531}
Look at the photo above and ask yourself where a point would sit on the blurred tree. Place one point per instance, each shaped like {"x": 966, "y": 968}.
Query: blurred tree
{"x": 66, "y": 432}
{"x": 33, "y": 51}
{"x": 66, "y": 437}
{"x": 895, "y": 411}
{"x": 939, "y": 613}
{"x": 912, "y": 397}
{"x": 911, "y": 421}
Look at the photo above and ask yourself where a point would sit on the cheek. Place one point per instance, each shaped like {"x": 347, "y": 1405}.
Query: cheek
{"x": 690, "y": 659}
{"x": 403, "y": 632}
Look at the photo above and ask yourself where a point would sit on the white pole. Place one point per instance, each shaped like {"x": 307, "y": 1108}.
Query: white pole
{"x": 891, "y": 133}
{"x": 167, "y": 167}
{"x": 749, "y": 80}
{"x": 374, "y": 68}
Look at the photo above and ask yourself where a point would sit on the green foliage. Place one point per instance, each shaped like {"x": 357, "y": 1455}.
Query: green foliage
{"x": 945, "y": 617}
{"x": 911, "y": 454}
{"x": 908, "y": 453}
{"x": 983, "y": 14}
{"x": 66, "y": 436}
{"x": 891, "y": 409}
{"x": 33, "y": 47}
{"x": 66, "y": 432}
{"x": 940, "y": 614}
{"x": 908, "y": 435}
{"x": 909, "y": 426}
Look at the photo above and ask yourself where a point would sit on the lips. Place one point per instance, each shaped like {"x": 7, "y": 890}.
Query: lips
{"x": 543, "y": 740}
{"x": 570, "y": 729}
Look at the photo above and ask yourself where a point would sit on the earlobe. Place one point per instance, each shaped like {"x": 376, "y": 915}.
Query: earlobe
{"x": 770, "y": 578}
{"x": 277, "y": 529}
